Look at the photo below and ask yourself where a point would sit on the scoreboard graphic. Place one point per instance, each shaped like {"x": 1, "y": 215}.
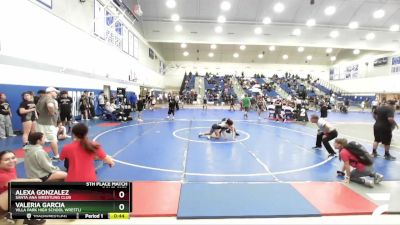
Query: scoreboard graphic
{"x": 88, "y": 200}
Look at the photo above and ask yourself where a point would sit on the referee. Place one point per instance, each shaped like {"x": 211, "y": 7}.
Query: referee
{"x": 384, "y": 124}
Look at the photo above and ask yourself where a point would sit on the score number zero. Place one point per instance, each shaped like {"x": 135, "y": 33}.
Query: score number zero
{"x": 121, "y": 195}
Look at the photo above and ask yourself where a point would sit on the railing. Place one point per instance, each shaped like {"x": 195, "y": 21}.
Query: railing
{"x": 237, "y": 88}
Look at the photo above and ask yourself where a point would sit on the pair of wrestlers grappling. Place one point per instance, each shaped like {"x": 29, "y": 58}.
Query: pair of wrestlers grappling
{"x": 223, "y": 128}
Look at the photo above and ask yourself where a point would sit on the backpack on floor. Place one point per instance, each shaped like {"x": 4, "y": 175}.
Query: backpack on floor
{"x": 360, "y": 152}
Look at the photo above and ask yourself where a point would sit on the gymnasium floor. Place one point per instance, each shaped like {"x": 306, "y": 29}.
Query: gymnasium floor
{"x": 270, "y": 170}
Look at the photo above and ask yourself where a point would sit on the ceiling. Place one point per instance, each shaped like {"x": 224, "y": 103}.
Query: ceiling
{"x": 224, "y": 53}
{"x": 198, "y": 19}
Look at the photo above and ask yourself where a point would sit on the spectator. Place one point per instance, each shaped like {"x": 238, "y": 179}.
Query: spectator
{"x": 47, "y": 109}
{"x": 40, "y": 94}
{"x": 5, "y": 118}
{"x": 383, "y": 127}
{"x": 8, "y": 173}
{"x": 38, "y": 163}
{"x": 27, "y": 112}
{"x": 84, "y": 106}
{"x": 140, "y": 107}
{"x": 65, "y": 105}
{"x": 133, "y": 101}
{"x": 91, "y": 106}
{"x": 102, "y": 100}
{"x": 81, "y": 154}
{"x": 61, "y": 131}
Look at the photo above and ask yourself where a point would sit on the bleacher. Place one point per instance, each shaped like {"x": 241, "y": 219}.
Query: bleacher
{"x": 324, "y": 89}
{"x": 271, "y": 93}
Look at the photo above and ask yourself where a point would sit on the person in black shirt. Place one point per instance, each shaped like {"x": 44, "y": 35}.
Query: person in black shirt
{"x": 65, "y": 106}
{"x": 5, "y": 118}
{"x": 384, "y": 124}
{"x": 140, "y": 106}
{"x": 324, "y": 110}
{"x": 171, "y": 107}
{"x": 27, "y": 112}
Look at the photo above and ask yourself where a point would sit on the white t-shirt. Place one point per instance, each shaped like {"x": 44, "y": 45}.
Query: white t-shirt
{"x": 324, "y": 126}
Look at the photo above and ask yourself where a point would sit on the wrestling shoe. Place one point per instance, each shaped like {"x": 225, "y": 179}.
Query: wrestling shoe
{"x": 378, "y": 178}
{"x": 390, "y": 157}
{"x": 317, "y": 147}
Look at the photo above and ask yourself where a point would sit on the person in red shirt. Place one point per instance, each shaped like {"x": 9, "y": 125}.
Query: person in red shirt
{"x": 80, "y": 155}
{"x": 8, "y": 173}
{"x": 354, "y": 169}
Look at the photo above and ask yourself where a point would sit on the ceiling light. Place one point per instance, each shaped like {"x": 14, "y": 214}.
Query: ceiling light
{"x": 394, "y": 28}
{"x": 300, "y": 49}
{"x": 272, "y": 48}
{"x": 183, "y": 45}
{"x": 267, "y": 20}
{"x": 218, "y": 29}
{"x": 213, "y": 46}
{"x": 334, "y": 34}
{"x": 356, "y": 51}
{"x": 333, "y": 58}
{"x": 309, "y": 57}
{"x": 284, "y": 57}
{"x": 330, "y": 10}
{"x": 370, "y": 36}
{"x": 311, "y": 22}
{"x": 175, "y": 17}
{"x": 225, "y": 5}
{"x": 260, "y": 56}
{"x": 279, "y": 7}
{"x": 242, "y": 47}
{"x": 296, "y": 32}
{"x": 379, "y": 14}
{"x": 185, "y": 53}
{"x": 171, "y": 4}
{"x": 257, "y": 30}
{"x": 236, "y": 55}
{"x": 329, "y": 50}
{"x": 178, "y": 28}
{"x": 210, "y": 54}
{"x": 353, "y": 25}
{"x": 221, "y": 19}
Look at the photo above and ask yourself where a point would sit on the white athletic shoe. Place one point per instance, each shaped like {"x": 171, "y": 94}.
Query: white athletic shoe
{"x": 209, "y": 137}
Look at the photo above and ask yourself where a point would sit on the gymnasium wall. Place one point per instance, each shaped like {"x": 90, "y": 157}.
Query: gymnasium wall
{"x": 177, "y": 69}
{"x": 371, "y": 79}
{"x": 43, "y": 50}
{"x": 43, "y": 38}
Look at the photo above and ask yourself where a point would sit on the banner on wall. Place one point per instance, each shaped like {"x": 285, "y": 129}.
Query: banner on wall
{"x": 131, "y": 44}
{"x": 396, "y": 65}
{"x": 151, "y": 53}
{"x": 163, "y": 67}
{"x": 381, "y": 61}
{"x": 334, "y": 73}
{"x": 135, "y": 47}
{"x": 351, "y": 72}
{"x": 113, "y": 34}
{"x": 125, "y": 39}
{"x": 99, "y": 19}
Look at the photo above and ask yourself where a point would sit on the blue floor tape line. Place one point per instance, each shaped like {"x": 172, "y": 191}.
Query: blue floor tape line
{"x": 202, "y": 201}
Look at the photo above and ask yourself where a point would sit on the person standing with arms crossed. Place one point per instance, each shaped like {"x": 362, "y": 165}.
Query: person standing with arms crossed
{"x": 47, "y": 109}
{"x": 383, "y": 127}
